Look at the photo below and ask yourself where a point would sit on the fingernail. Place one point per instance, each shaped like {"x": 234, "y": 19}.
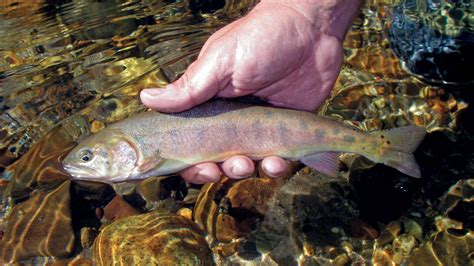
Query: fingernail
{"x": 273, "y": 169}
{"x": 205, "y": 177}
{"x": 236, "y": 170}
{"x": 239, "y": 169}
{"x": 270, "y": 169}
{"x": 152, "y": 92}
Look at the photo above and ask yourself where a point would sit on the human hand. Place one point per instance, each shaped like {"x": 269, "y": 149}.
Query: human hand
{"x": 288, "y": 53}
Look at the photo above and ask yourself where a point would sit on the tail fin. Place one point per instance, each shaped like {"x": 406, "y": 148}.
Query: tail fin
{"x": 400, "y": 144}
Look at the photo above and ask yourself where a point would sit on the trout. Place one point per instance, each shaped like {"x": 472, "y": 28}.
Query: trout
{"x": 152, "y": 143}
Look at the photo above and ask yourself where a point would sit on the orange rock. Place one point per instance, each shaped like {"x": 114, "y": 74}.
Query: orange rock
{"x": 118, "y": 208}
{"x": 152, "y": 239}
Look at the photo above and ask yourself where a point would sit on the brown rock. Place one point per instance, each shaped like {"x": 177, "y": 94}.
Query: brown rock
{"x": 117, "y": 209}
{"x": 382, "y": 257}
{"x": 363, "y": 230}
{"x": 40, "y": 226}
{"x": 99, "y": 213}
{"x": 235, "y": 214}
{"x": 77, "y": 261}
{"x": 444, "y": 248}
{"x": 252, "y": 194}
{"x": 391, "y": 231}
{"x": 305, "y": 209}
{"x": 150, "y": 188}
{"x": 88, "y": 236}
{"x": 80, "y": 262}
{"x": 206, "y": 209}
{"x": 152, "y": 239}
{"x": 226, "y": 250}
{"x": 227, "y": 228}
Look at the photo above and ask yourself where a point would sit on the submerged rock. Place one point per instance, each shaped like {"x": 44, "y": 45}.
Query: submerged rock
{"x": 311, "y": 209}
{"x": 458, "y": 203}
{"x": 40, "y": 226}
{"x": 159, "y": 193}
{"x": 152, "y": 239}
{"x": 231, "y": 209}
{"x": 445, "y": 248}
{"x": 116, "y": 209}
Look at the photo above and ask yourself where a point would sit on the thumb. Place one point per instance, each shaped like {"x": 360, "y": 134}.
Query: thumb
{"x": 202, "y": 80}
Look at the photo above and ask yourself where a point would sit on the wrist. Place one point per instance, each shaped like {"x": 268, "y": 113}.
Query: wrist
{"x": 332, "y": 17}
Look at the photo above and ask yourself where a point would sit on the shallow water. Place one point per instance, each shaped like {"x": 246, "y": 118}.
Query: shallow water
{"x": 68, "y": 70}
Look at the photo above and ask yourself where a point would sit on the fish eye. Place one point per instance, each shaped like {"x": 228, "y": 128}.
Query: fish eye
{"x": 86, "y": 156}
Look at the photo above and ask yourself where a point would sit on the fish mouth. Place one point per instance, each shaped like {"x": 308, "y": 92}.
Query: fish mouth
{"x": 82, "y": 172}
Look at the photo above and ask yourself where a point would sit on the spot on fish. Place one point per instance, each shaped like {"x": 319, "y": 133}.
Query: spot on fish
{"x": 303, "y": 124}
{"x": 282, "y": 127}
{"x": 282, "y": 131}
{"x": 319, "y": 134}
{"x": 173, "y": 137}
{"x": 230, "y": 131}
{"x": 349, "y": 139}
{"x": 336, "y": 131}
{"x": 268, "y": 114}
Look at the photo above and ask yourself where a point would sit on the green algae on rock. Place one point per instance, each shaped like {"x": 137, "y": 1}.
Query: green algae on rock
{"x": 152, "y": 239}
{"x": 40, "y": 226}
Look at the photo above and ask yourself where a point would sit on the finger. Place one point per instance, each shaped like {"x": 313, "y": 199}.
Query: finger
{"x": 202, "y": 173}
{"x": 202, "y": 80}
{"x": 275, "y": 166}
{"x": 238, "y": 167}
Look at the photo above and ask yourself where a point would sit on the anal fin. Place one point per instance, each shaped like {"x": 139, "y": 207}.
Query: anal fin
{"x": 325, "y": 162}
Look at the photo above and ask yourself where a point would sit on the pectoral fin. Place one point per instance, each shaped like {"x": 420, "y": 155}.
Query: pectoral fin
{"x": 325, "y": 162}
{"x": 149, "y": 163}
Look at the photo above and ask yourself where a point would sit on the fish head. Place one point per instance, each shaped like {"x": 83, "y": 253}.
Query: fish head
{"x": 108, "y": 156}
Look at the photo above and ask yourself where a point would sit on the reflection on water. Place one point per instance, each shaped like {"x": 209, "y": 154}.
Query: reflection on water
{"x": 72, "y": 68}
{"x": 435, "y": 39}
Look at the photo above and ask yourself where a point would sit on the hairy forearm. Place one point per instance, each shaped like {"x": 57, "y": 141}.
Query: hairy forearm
{"x": 333, "y": 17}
